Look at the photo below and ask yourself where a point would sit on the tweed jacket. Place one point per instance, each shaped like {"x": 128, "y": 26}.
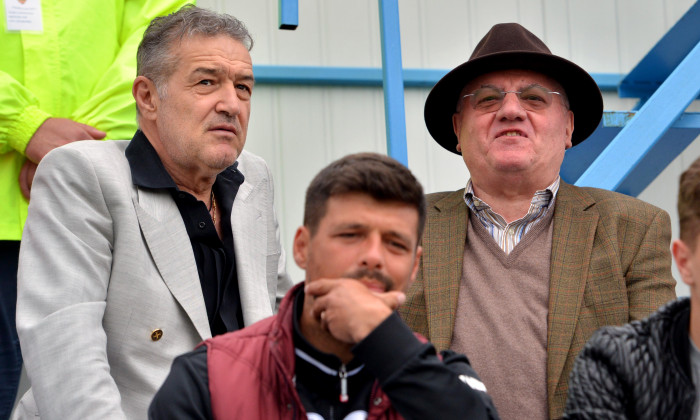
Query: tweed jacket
{"x": 108, "y": 288}
{"x": 610, "y": 264}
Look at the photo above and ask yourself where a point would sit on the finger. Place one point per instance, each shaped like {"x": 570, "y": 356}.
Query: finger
{"x": 319, "y": 307}
{"x": 31, "y": 171}
{"x": 392, "y": 299}
{"x": 23, "y": 184}
{"x": 80, "y": 135}
{"x": 320, "y": 287}
{"x": 94, "y": 133}
{"x": 323, "y": 320}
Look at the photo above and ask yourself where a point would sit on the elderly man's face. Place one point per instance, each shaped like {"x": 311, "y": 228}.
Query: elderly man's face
{"x": 360, "y": 237}
{"x": 512, "y": 139}
{"x": 202, "y": 120}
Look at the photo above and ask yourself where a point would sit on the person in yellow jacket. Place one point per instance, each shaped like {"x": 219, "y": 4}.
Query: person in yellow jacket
{"x": 66, "y": 69}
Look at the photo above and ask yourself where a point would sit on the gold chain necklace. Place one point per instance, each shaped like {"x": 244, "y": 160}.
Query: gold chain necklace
{"x": 212, "y": 206}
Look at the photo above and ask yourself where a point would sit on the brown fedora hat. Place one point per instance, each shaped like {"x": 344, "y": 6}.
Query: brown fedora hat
{"x": 511, "y": 46}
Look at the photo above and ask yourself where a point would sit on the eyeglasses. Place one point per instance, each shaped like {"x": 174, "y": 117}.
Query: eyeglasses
{"x": 490, "y": 99}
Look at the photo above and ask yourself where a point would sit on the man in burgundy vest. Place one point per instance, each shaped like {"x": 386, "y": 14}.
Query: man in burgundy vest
{"x": 520, "y": 268}
{"x": 336, "y": 349}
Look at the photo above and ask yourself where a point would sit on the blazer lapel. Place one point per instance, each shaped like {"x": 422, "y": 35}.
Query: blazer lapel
{"x": 442, "y": 265}
{"x": 250, "y": 247}
{"x": 169, "y": 244}
{"x": 572, "y": 243}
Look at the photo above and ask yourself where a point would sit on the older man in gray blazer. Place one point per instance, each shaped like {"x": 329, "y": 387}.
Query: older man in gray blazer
{"x": 136, "y": 251}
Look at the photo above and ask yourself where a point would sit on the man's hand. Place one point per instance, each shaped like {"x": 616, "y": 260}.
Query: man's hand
{"x": 55, "y": 132}
{"x": 348, "y": 309}
{"x": 52, "y": 133}
{"x": 26, "y": 177}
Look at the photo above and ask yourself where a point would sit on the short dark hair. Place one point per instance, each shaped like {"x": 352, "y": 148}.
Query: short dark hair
{"x": 155, "y": 58}
{"x": 376, "y": 175}
{"x": 689, "y": 204}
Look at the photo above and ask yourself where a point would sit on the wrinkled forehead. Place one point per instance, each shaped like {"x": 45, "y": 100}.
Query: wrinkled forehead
{"x": 513, "y": 79}
{"x": 202, "y": 44}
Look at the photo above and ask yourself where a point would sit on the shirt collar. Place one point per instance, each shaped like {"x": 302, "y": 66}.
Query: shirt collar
{"x": 542, "y": 198}
{"x": 147, "y": 169}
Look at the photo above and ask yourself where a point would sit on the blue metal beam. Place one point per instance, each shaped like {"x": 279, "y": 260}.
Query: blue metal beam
{"x": 367, "y": 76}
{"x": 626, "y": 156}
{"x": 664, "y": 57}
{"x": 681, "y": 133}
{"x": 288, "y": 14}
{"x": 392, "y": 72}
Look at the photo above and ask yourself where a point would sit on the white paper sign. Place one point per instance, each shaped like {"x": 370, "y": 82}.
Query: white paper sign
{"x": 23, "y": 15}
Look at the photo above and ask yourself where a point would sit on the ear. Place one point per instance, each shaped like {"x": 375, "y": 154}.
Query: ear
{"x": 300, "y": 247}
{"x": 569, "y": 130}
{"x": 457, "y": 127}
{"x": 682, "y": 254}
{"x": 146, "y": 97}
{"x": 457, "y": 123}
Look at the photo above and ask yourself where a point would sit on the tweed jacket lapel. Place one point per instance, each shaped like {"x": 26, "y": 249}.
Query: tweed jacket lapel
{"x": 168, "y": 243}
{"x": 572, "y": 243}
{"x": 444, "y": 240}
{"x": 250, "y": 246}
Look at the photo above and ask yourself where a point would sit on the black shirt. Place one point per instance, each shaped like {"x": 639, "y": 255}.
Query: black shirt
{"x": 214, "y": 256}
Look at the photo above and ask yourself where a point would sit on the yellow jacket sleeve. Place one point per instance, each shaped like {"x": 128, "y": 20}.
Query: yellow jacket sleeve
{"x": 111, "y": 106}
{"x": 20, "y": 115}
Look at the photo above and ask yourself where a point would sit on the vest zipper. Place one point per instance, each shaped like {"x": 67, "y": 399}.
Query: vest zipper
{"x": 343, "y": 375}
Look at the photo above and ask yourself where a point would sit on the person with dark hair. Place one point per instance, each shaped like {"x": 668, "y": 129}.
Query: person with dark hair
{"x": 336, "y": 349}
{"x": 520, "y": 268}
{"x": 649, "y": 369}
{"x": 136, "y": 251}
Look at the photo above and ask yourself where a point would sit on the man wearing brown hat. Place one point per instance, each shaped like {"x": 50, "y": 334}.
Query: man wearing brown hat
{"x": 520, "y": 268}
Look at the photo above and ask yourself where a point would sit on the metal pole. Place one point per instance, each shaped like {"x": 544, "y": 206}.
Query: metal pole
{"x": 392, "y": 73}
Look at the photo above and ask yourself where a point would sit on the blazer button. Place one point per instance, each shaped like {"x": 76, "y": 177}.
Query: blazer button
{"x": 156, "y": 334}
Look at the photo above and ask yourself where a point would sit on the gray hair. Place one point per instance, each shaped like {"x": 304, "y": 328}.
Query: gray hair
{"x": 155, "y": 58}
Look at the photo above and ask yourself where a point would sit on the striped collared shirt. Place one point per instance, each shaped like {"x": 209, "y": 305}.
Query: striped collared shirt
{"x": 507, "y": 235}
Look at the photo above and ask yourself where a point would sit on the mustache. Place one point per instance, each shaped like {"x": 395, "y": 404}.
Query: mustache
{"x": 365, "y": 273}
{"x": 225, "y": 119}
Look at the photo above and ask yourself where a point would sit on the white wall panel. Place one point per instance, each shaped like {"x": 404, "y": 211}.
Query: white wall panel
{"x": 351, "y": 34}
{"x": 298, "y": 130}
{"x": 530, "y": 14}
{"x": 483, "y": 15}
{"x": 556, "y": 27}
{"x": 594, "y": 41}
{"x": 637, "y": 33}
{"x": 427, "y": 44}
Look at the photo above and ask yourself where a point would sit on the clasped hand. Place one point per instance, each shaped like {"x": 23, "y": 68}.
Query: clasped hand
{"x": 348, "y": 309}
{"x": 54, "y": 132}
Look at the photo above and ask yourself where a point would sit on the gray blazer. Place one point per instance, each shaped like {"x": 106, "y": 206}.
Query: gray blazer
{"x": 104, "y": 263}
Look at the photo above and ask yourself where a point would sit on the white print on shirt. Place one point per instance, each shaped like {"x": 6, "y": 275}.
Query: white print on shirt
{"x": 473, "y": 383}
{"x": 355, "y": 415}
